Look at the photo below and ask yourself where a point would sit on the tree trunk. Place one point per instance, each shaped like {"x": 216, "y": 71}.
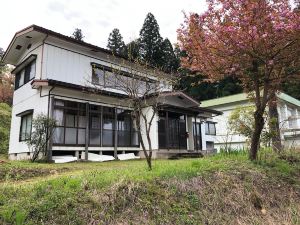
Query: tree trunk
{"x": 149, "y": 162}
{"x": 138, "y": 125}
{"x": 255, "y": 140}
{"x": 274, "y": 125}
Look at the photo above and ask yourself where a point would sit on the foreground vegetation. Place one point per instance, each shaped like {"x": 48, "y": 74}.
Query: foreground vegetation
{"x": 223, "y": 189}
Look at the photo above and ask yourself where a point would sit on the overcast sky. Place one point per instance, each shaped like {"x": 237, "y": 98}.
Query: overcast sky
{"x": 96, "y": 18}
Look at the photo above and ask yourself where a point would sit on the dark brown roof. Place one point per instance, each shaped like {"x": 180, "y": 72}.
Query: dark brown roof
{"x": 64, "y": 37}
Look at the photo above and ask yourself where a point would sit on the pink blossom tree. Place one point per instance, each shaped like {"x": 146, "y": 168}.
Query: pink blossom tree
{"x": 256, "y": 41}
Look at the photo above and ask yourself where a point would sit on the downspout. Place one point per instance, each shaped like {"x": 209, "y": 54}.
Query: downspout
{"x": 49, "y": 144}
{"x": 42, "y": 56}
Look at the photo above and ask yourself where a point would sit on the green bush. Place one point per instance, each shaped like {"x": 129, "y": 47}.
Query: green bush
{"x": 5, "y": 117}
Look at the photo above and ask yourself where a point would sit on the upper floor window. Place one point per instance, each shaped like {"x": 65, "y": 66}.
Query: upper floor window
{"x": 25, "y": 75}
{"x": 210, "y": 128}
{"x": 25, "y": 129}
{"x": 103, "y": 78}
{"x": 106, "y": 78}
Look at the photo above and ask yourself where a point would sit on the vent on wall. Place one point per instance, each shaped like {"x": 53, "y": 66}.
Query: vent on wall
{"x": 18, "y": 47}
{"x": 28, "y": 37}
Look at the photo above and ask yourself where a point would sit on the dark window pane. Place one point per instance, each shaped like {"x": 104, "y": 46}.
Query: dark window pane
{"x": 212, "y": 129}
{"x": 123, "y": 138}
{"x": 134, "y": 138}
{"x": 27, "y": 74}
{"x": 161, "y": 126}
{"x": 71, "y": 104}
{"x": 95, "y": 108}
{"x": 58, "y": 135}
{"x": 71, "y": 118}
{"x": 206, "y": 128}
{"x": 32, "y": 70}
{"x": 25, "y": 129}
{"x": 108, "y": 122}
{"x": 81, "y": 136}
{"x": 124, "y": 120}
{"x": 82, "y": 120}
{"x": 28, "y": 126}
{"x": 108, "y": 138}
{"x": 70, "y": 136}
{"x": 95, "y": 121}
{"x": 209, "y": 145}
{"x": 59, "y": 102}
{"x": 17, "y": 81}
{"x": 95, "y": 137}
{"x": 182, "y": 134}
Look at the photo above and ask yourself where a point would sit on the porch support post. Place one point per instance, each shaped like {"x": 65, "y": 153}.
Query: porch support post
{"x": 196, "y": 134}
{"x": 116, "y": 135}
{"x": 101, "y": 128}
{"x": 87, "y": 132}
{"x": 167, "y": 129}
{"x": 50, "y": 141}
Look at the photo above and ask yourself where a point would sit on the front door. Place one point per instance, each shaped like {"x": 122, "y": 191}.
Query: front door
{"x": 197, "y": 136}
{"x": 172, "y": 131}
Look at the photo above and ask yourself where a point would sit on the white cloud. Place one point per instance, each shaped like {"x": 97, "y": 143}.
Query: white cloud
{"x": 96, "y": 18}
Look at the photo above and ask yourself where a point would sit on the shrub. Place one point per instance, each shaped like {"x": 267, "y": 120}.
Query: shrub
{"x": 42, "y": 130}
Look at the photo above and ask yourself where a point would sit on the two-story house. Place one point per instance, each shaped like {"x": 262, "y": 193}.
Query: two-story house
{"x": 52, "y": 73}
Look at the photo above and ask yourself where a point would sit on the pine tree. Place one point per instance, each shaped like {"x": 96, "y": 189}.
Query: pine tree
{"x": 77, "y": 34}
{"x": 150, "y": 42}
{"x": 133, "y": 49}
{"x": 169, "y": 59}
{"x": 1, "y": 53}
{"x": 116, "y": 43}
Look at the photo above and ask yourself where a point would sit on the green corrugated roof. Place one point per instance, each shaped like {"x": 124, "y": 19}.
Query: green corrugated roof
{"x": 224, "y": 100}
{"x": 243, "y": 97}
{"x": 289, "y": 99}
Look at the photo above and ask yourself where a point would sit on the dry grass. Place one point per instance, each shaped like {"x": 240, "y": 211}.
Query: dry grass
{"x": 223, "y": 189}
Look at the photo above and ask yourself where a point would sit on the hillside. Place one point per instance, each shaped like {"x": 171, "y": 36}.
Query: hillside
{"x": 223, "y": 189}
{"x": 5, "y": 115}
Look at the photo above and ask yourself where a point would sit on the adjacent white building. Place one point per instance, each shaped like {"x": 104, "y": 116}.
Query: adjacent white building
{"x": 289, "y": 120}
{"x": 52, "y": 75}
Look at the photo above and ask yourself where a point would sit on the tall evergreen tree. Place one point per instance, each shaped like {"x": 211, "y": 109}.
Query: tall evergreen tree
{"x": 170, "y": 62}
{"x": 1, "y": 53}
{"x": 151, "y": 42}
{"x": 133, "y": 49}
{"x": 116, "y": 43}
{"x": 77, "y": 34}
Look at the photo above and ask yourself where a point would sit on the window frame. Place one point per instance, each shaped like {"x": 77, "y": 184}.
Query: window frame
{"x": 110, "y": 71}
{"x": 25, "y": 116}
{"x": 103, "y": 112}
{"x": 207, "y": 128}
{"x": 26, "y": 70}
{"x": 78, "y": 109}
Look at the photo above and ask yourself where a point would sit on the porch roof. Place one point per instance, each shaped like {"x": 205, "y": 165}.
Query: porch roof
{"x": 193, "y": 111}
{"x": 177, "y": 101}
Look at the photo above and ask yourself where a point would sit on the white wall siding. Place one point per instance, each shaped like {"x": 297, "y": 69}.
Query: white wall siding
{"x": 226, "y": 138}
{"x": 35, "y": 102}
{"x": 153, "y": 130}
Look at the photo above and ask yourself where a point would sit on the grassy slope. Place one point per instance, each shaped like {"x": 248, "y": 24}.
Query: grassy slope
{"x": 5, "y": 114}
{"x": 214, "y": 190}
